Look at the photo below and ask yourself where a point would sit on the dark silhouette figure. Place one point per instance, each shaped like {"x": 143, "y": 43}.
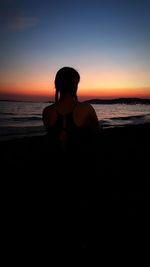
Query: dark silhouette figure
{"x": 69, "y": 122}
{"x": 72, "y": 128}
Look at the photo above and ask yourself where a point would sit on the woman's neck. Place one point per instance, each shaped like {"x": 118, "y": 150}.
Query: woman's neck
{"x": 66, "y": 103}
{"x": 67, "y": 97}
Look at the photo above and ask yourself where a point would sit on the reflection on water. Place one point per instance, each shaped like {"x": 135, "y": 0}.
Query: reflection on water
{"x": 25, "y": 118}
{"x": 120, "y": 110}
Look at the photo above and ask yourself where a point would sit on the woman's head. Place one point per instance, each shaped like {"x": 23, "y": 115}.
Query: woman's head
{"x": 66, "y": 81}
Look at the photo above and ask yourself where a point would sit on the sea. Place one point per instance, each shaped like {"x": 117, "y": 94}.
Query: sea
{"x": 24, "y": 119}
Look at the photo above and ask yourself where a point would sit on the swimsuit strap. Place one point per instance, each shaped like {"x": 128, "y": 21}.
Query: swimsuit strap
{"x": 64, "y": 117}
{"x": 68, "y": 112}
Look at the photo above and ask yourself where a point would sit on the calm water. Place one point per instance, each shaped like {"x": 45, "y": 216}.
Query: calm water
{"x": 18, "y": 119}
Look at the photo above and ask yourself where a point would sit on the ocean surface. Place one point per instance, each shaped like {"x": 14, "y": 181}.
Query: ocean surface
{"x": 21, "y": 119}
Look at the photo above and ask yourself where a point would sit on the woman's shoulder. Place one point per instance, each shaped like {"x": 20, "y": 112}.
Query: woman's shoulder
{"x": 49, "y": 108}
{"x": 86, "y": 109}
{"x": 85, "y": 114}
{"x": 49, "y": 115}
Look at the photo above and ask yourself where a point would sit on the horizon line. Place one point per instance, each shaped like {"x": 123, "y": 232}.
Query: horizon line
{"x": 88, "y": 99}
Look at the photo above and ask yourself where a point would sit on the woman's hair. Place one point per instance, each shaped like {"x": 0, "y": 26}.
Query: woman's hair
{"x": 66, "y": 80}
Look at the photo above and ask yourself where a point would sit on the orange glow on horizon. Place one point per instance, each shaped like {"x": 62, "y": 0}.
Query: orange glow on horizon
{"x": 107, "y": 86}
{"x": 46, "y": 92}
{"x": 101, "y": 82}
{"x": 116, "y": 92}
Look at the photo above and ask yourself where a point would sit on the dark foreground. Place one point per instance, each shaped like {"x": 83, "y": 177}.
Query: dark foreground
{"x": 91, "y": 198}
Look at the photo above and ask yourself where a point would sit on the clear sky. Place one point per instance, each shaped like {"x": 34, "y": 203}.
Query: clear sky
{"x": 107, "y": 41}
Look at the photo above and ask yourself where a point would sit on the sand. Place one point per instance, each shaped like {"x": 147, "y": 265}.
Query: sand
{"x": 83, "y": 199}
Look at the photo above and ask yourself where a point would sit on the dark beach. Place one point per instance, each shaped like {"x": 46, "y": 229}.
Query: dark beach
{"x": 82, "y": 199}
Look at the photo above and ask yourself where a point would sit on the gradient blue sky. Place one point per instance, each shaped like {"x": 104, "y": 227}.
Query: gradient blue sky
{"x": 108, "y": 42}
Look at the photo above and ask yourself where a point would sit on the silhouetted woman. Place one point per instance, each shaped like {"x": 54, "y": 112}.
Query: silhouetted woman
{"x": 70, "y": 122}
{"x": 72, "y": 127}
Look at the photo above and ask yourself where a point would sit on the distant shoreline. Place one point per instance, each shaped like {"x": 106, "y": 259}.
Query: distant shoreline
{"x": 99, "y": 101}
{"x": 28, "y": 101}
{"x": 130, "y": 101}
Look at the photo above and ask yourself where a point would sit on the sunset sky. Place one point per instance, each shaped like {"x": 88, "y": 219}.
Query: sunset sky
{"x": 107, "y": 41}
